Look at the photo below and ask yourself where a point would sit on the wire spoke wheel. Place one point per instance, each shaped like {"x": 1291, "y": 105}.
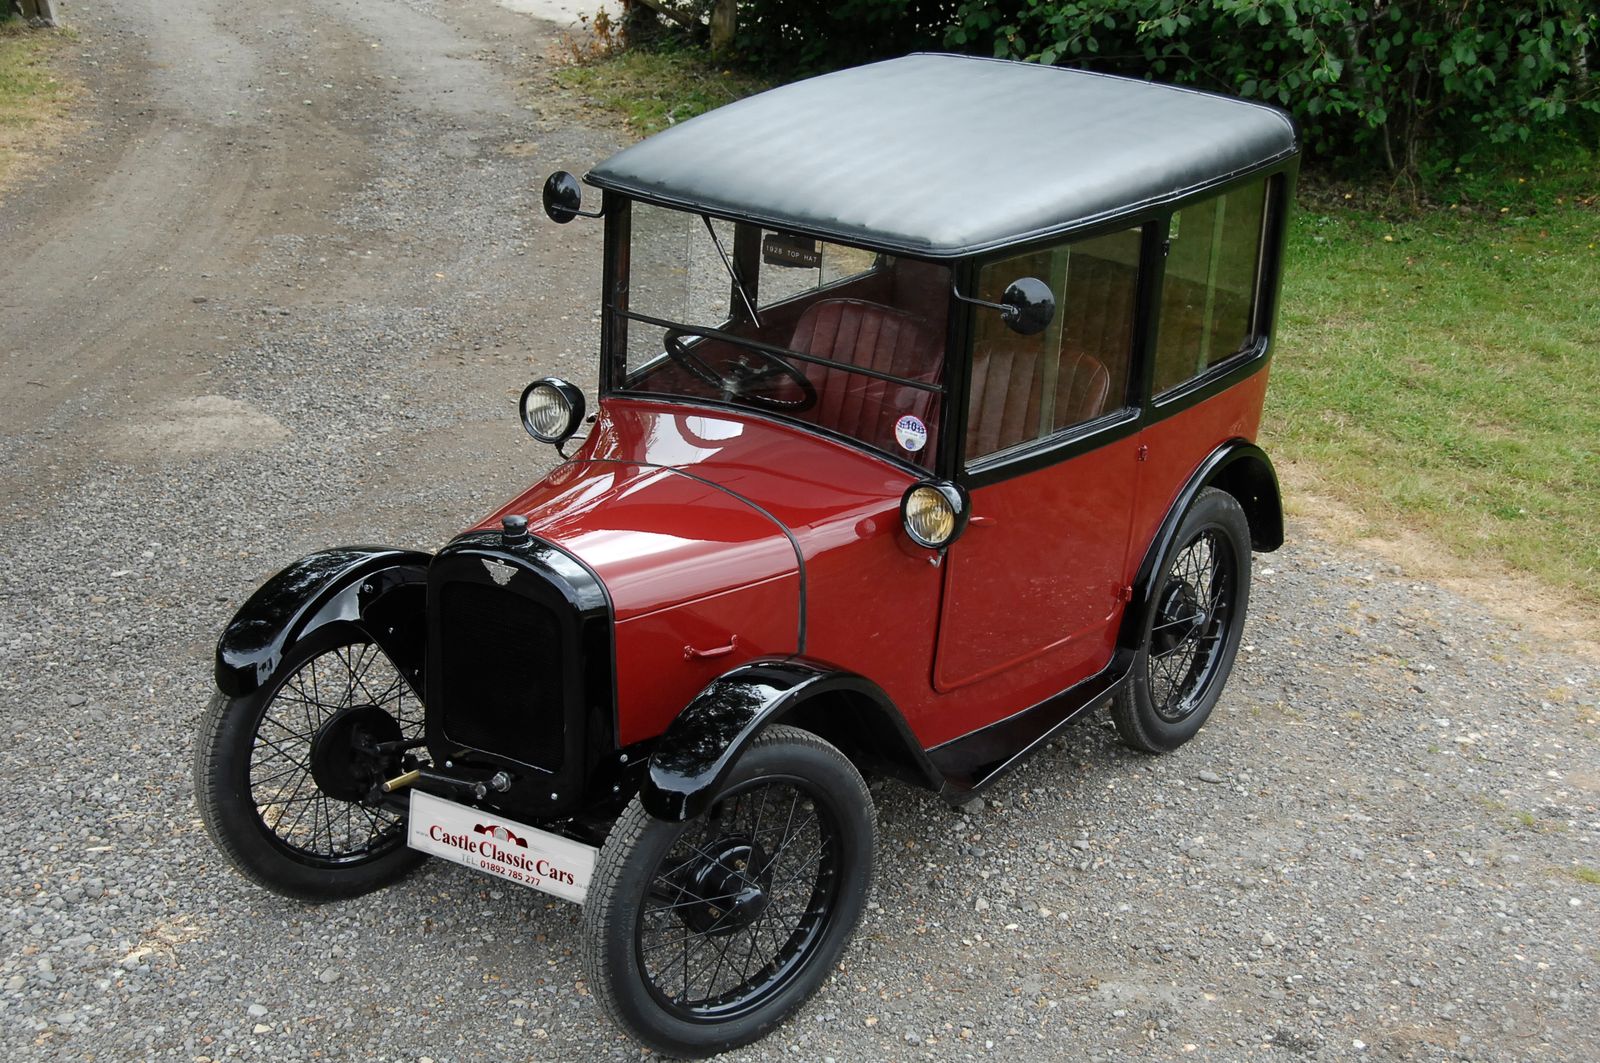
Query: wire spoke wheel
{"x": 285, "y": 775}
{"x": 702, "y": 935}
{"x": 738, "y": 901}
{"x": 1195, "y": 615}
{"x": 332, "y": 692}
{"x": 1192, "y": 630}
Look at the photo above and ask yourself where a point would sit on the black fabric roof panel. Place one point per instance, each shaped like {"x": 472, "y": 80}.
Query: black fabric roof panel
{"x": 944, "y": 155}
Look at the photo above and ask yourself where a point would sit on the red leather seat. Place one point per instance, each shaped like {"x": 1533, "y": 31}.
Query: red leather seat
{"x": 873, "y": 336}
{"x": 1008, "y": 383}
{"x": 1007, "y": 388}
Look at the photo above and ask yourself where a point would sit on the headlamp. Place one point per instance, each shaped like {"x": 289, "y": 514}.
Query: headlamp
{"x": 552, "y": 409}
{"x": 934, "y": 513}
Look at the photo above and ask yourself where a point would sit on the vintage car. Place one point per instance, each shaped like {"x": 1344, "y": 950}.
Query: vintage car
{"x": 927, "y": 403}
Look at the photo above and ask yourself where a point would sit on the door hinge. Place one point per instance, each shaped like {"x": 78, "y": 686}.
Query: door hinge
{"x": 1144, "y": 452}
{"x": 1127, "y": 592}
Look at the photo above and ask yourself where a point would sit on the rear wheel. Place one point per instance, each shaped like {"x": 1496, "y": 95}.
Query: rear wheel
{"x": 283, "y": 775}
{"x": 702, "y": 936}
{"x": 1191, "y": 636}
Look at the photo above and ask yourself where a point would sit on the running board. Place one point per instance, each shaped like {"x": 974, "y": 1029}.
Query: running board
{"x": 975, "y": 761}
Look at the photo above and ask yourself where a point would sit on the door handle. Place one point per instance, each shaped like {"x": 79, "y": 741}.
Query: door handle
{"x": 690, "y": 653}
{"x": 980, "y": 522}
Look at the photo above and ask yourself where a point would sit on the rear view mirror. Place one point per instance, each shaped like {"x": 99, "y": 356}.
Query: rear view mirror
{"x": 563, "y": 196}
{"x": 1029, "y": 305}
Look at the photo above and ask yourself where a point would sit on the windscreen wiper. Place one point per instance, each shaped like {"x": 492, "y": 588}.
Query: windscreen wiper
{"x": 727, "y": 264}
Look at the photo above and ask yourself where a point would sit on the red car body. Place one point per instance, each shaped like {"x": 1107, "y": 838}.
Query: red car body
{"x": 699, "y": 521}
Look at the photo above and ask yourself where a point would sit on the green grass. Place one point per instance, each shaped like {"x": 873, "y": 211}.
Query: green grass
{"x": 32, "y": 98}
{"x": 1589, "y": 876}
{"x": 1441, "y": 373}
{"x": 655, "y": 89}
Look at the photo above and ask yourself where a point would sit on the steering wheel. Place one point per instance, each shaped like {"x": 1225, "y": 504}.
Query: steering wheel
{"x": 743, "y": 378}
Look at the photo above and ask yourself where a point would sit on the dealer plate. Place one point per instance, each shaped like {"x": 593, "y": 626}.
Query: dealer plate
{"x": 500, "y": 847}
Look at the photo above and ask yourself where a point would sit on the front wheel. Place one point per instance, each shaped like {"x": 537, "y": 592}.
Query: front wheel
{"x": 702, "y": 936}
{"x": 283, "y": 774}
{"x": 1190, "y": 638}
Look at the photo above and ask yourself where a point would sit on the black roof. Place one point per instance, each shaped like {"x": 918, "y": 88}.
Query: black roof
{"x": 944, "y": 155}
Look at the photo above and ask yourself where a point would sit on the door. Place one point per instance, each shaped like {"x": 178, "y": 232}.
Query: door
{"x": 1052, "y": 465}
{"x": 1040, "y": 569}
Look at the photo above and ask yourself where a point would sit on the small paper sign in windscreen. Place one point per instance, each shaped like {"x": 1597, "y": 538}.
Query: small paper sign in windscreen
{"x": 795, "y": 252}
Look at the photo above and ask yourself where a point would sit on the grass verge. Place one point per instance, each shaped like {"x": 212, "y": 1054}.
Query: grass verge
{"x": 1438, "y": 374}
{"x": 33, "y": 98}
{"x": 1435, "y": 375}
{"x": 655, "y": 89}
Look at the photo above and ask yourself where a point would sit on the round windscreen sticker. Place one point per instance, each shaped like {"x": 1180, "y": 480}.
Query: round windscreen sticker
{"x": 911, "y": 433}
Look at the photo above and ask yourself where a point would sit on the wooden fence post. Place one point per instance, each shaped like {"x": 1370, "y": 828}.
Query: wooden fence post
{"x": 724, "y": 24}
{"x": 40, "y": 9}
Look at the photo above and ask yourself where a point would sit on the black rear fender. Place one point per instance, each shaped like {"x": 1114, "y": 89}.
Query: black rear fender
{"x": 695, "y": 754}
{"x": 378, "y": 591}
{"x": 1245, "y": 472}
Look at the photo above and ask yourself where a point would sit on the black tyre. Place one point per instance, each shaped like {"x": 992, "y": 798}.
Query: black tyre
{"x": 282, "y": 775}
{"x": 1191, "y": 636}
{"x": 702, "y": 936}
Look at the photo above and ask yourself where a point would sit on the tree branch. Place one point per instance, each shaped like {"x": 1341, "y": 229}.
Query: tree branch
{"x": 662, "y": 8}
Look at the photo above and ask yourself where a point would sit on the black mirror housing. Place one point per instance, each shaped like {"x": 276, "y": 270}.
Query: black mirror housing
{"x": 563, "y": 197}
{"x": 1029, "y": 305}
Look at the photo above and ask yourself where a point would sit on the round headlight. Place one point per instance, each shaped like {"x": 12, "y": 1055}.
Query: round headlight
{"x": 551, "y": 410}
{"x": 934, "y": 513}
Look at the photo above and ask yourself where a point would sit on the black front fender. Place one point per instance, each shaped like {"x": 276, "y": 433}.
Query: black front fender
{"x": 378, "y": 590}
{"x": 698, "y": 750}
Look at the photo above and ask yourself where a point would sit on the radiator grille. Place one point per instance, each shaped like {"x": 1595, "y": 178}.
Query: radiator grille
{"x": 502, "y": 669}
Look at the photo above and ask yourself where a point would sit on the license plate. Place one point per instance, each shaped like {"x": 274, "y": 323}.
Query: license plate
{"x": 500, "y": 847}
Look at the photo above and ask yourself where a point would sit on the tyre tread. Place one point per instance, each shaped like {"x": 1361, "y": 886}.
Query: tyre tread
{"x": 206, "y": 770}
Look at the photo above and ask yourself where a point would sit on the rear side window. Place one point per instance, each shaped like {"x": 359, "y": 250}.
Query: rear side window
{"x": 1208, "y": 299}
{"x": 1028, "y": 387}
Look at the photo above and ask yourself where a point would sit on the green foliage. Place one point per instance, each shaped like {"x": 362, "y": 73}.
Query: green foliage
{"x": 1413, "y": 85}
{"x": 789, "y": 38}
{"x": 32, "y": 97}
{"x": 658, "y": 87}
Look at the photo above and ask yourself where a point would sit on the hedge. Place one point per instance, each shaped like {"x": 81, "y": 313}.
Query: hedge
{"x": 1413, "y": 86}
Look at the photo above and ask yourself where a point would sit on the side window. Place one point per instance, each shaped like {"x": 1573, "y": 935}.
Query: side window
{"x": 1028, "y": 387}
{"x": 1208, "y": 298}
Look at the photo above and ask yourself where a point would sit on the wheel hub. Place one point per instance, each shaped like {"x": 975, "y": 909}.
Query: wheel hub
{"x": 346, "y": 761}
{"x": 1178, "y": 617}
{"x": 736, "y": 883}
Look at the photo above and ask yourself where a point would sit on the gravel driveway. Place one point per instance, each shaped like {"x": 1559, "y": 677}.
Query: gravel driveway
{"x": 282, "y": 292}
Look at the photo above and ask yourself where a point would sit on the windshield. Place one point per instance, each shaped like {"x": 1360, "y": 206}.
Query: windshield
{"x": 848, "y": 340}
